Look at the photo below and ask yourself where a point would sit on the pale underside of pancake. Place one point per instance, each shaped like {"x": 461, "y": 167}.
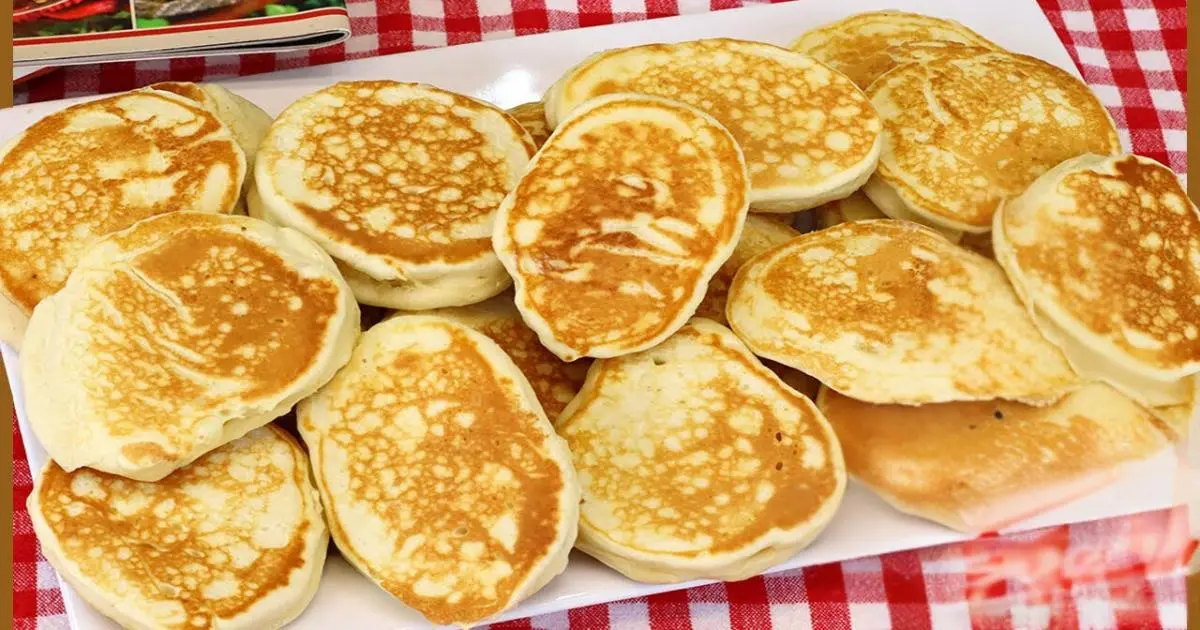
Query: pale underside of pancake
{"x": 233, "y": 541}
{"x": 888, "y": 311}
{"x": 442, "y": 479}
{"x": 248, "y": 122}
{"x": 969, "y": 128}
{"x": 532, "y": 117}
{"x": 399, "y": 182}
{"x": 759, "y": 233}
{"x": 554, "y": 381}
{"x": 96, "y": 168}
{"x": 625, "y": 214}
{"x": 809, "y": 135}
{"x": 857, "y": 46}
{"x": 859, "y": 207}
{"x": 178, "y": 335}
{"x": 1105, "y": 252}
{"x": 981, "y": 466}
{"x": 696, "y": 461}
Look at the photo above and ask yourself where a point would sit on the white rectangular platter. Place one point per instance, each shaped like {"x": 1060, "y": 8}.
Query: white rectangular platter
{"x": 514, "y": 71}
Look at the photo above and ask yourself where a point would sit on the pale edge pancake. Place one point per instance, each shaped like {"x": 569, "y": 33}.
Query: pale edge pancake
{"x": 81, "y": 427}
{"x": 982, "y": 466}
{"x": 767, "y": 550}
{"x": 506, "y": 250}
{"x": 317, "y": 417}
{"x": 273, "y": 610}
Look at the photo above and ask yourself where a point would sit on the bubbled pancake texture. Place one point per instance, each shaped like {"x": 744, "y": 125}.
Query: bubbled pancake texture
{"x": 693, "y": 449}
{"x": 99, "y": 167}
{"x": 437, "y": 481}
{"x": 889, "y": 311}
{"x": 619, "y": 223}
{"x": 1120, "y": 255}
{"x": 797, "y": 122}
{"x": 758, "y": 235}
{"x": 199, "y": 547}
{"x": 402, "y": 173}
{"x": 963, "y": 133}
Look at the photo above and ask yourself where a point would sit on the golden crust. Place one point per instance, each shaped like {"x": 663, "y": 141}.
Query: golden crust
{"x": 532, "y": 117}
{"x": 760, "y": 233}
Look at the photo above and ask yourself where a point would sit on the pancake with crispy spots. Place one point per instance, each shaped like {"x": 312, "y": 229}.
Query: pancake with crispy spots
{"x": 858, "y": 46}
{"x": 1105, "y": 252}
{"x": 981, "y": 466}
{"x": 889, "y": 311}
{"x": 178, "y": 335}
{"x": 697, "y": 462}
{"x": 96, "y": 168}
{"x": 625, "y": 214}
{"x": 532, "y": 117}
{"x": 759, "y": 233}
{"x": 553, "y": 380}
{"x": 809, "y": 135}
{"x": 964, "y": 132}
{"x": 234, "y": 540}
{"x": 399, "y": 182}
{"x": 442, "y": 480}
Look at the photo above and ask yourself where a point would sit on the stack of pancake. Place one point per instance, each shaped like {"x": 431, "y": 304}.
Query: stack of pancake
{"x": 589, "y": 320}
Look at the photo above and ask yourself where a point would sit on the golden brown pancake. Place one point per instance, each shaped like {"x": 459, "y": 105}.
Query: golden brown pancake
{"x": 966, "y": 131}
{"x": 178, "y": 335}
{"x": 889, "y": 311}
{"x": 760, "y": 233}
{"x": 698, "y": 462}
{"x": 857, "y": 46}
{"x": 442, "y": 479}
{"x": 234, "y": 540}
{"x": 553, "y": 380}
{"x": 620, "y": 221}
{"x": 980, "y": 466}
{"x": 1105, "y": 250}
{"x": 98, "y": 167}
{"x": 532, "y": 117}
{"x": 856, "y": 207}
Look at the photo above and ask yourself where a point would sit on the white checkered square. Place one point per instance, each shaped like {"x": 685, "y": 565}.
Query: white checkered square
{"x": 1095, "y": 613}
{"x": 1176, "y": 139}
{"x": 872, "y": 615}
{"x": 1079, "y": 21}
{"x": 46, "y": 577}
{"x": 1109, "y": 95}
{"x": 1126, "y": 139}
{"x": 709, "y": 616}
{"x": 791, "y": 616}
{"x": 493, "y": 8}
{"x": 1142, "y": 19}
{"x": 428, "y": 8}
{"x": 950, "y": 616}
{"x": 1172, "y": 614}
{"x": 365, "y": 43}
{"x": 1167, "y": 100}
{"x": 429, "y": 39}
{"x": 629, "y": 616}
{"x": 1091, "y": 56}
{"x": 54, "y": 622}
{"x": 1153, "y": 60}
{"x": 551, "y": 621}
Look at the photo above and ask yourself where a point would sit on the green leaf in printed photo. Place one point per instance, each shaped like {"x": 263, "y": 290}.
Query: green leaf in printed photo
{"x": 162, "y": 13}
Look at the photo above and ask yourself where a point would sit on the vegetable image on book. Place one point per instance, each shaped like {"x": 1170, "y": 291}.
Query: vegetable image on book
{"x": 63, "y": 32}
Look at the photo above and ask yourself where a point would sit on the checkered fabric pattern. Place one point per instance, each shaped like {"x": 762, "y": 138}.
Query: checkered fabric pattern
{"x": 1131, "y": 53}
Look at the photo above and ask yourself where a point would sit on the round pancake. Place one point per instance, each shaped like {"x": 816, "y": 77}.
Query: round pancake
{"x": 857, "y": 46}
{"x": 624, "y": 215}
{"x": 442, "y": 480}
{"x": 532, "y": 117}
{"x": 888, "y": 311}
{"x": 981, "y": 466}
{"x": 399, "y": 182}
{"x": 98, "y": 167}
{"x": 809, "y": 135}
{"x": 697, "y": 462}
{"x": 759, "y": 233}
{"x": 553, "y": 380}
{"x": 178, "y": 335}
{"x": 1105, "y": 251}
{"x": 962, "y": 132}
{"x": 233, "y": 541}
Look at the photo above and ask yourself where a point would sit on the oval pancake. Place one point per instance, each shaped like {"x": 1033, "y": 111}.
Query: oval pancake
{"x": 399, "y": 182}
{"x": 532, "y": 117}
{"x": 857, "y": 45}
{"x": 98, "y": 167}
{"x": 697, "y": 462}
{"x": 981, "y": 466}
{"x": 964, "y": 132}
{"x": 809, "y": 135}
{"x": 442, "y": 480}
{"x": 759, "y": 233}
{"x": 1105, "y": 251}
{"x": 234, "y": 541}
{"x": 178, "y": 335}
{"x": 888, "y": 311}
{"x": 625, "y": 214}
{"x": 553, "y": 380}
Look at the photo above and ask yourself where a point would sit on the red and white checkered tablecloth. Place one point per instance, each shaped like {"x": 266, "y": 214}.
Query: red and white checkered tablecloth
{"x": 1131, "y": 53}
